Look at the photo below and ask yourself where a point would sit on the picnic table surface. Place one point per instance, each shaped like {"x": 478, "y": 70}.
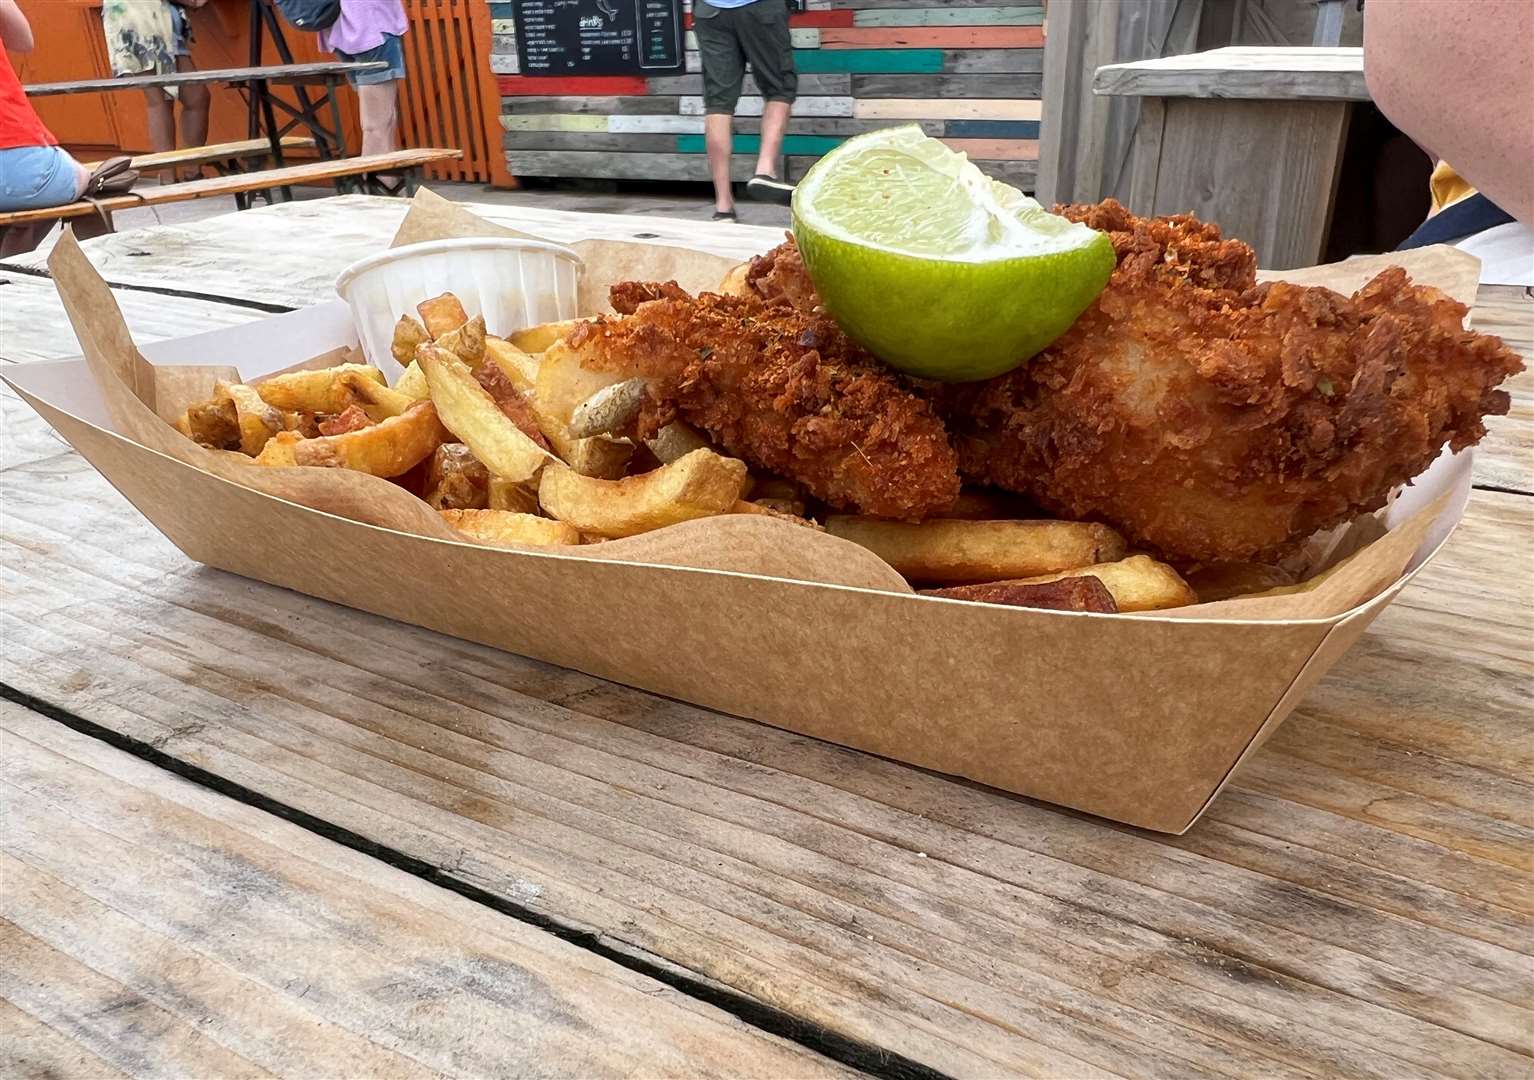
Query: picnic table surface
{"x": 1265, "y": 72}
{"x": 321, "y": 71}
{"x": 248, "y": 831}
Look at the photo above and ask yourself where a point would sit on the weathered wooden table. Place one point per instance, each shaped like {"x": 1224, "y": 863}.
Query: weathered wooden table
{"x": 248, "y": 832}
{"x": 1249, "y": 136}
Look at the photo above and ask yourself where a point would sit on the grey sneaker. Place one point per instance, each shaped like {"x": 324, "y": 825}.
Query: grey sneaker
{"x": 769, "y": 189}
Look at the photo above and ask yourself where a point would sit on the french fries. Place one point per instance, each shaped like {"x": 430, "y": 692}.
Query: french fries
{"x": 515, "y": 364}
{"x": 472, "y": 415}
{"x": 535, "y": 339}
{"x": 734, "y": 283}
{"x": 956, "y": 552}
{"x": 503, "y": 528}
{"x": 214, "y": 424}
{"x": 467, "y": 342}
{"x": 442, "y": 314}
{"x": 413, "y": 382}
{"x": 701, "y": 484}
{"x": 456, "y": 479}
{"x": 325, "y": 391}
{"x": 390, "y": 448}
{"x": 256, "y": 420}
{"x": 1084, "y": 593}
{"x": 377, "y": 400}
{"x": 1138, "y": 583}
{"x": 409, "y": 335}
{"x": 521, "y": 498}
{"x": 563, "y": 384}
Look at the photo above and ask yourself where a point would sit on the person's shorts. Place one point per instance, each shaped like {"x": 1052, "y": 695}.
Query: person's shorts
{"x": 392, "y": 50}
{"x": 32, "y": 177}
{"x": 180, "y": 32}
{"x": 730, "y": 38}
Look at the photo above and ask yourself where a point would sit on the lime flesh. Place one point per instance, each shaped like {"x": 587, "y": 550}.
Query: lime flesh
{"x": 934, "y": 267}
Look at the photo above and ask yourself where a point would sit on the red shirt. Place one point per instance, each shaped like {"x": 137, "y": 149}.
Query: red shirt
{"x": 19, "y": 123}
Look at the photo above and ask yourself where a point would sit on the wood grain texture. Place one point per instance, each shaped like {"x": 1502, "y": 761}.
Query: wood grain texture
{"x": 947, "y": 86}
{"x": 627, "y": 166}
{"x": 950, "y": 16}
{"x": 1262, "y": 170}
{"x": 917, "y": 109}
{"x": 934, "y": 37}
{"x": 312, "y": 172}
{"x": 810, "y": 85}
{"x": 1360, "y": 905}
{"x": 1262, "y": 73}
{"x": 993, "y": 61}
{"x": 996, "y": 149}
{"x": 163, "y": 929}
{"x": 1506, "y": 458}
{"x": 216, "y": 153}
{"x": 275, "y": 73}
{"x": 689, "y": 105}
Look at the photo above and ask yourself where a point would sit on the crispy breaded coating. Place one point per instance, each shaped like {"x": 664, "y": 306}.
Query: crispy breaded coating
{"x": 1216, "y": 424}
{"x": 785, "y": 390}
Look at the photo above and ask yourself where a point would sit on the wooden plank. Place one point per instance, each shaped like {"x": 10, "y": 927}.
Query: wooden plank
{"x": 505, "y": 63}
{"x": 571, "y": 85}
{"x": 313, "y": 172}
{"x": 862, "y": 5}
{"x": 1271, "y": 74}
{"x": 991, "y": 129}
{"x": 212, "y": 256}
{"x": 1211, "y": 149}
{"x": 591, "y": 140}
{"x": 216, "y": 152}
{"x": 169, "y": 930}
{"x": 623, "y": 166}
{"x": 1506, "y": 458}
{"x": 948, "y": 16}
{"x": 750, "y": 144}
{"x": 996, "y": 149}
{"x": 802, "y": 18}
{"x": 275, "y": 73}
{"x": 917, "y": 109}
{"x": 933, "y": 37}
{"x": 806, "y": 37}
{"x": 752, "y": 106}
{"x": 993, "y": 61}
{"x": 972, "y": 931}
{"x": 33, "y": 325}
{"x": 892, "y": 61}
{"x": 810, "y": 85}
{"x": 949, "y": 86}
{"x": 566, "y": 122}
{"x": 597, "y": 104}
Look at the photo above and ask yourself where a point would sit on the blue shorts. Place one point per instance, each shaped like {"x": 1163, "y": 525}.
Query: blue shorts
{"x": 392, "y": 50}
{"x": 32, "y": 177}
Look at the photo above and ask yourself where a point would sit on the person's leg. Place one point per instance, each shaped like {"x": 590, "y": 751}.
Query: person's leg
{"x": 774, "y": 124}
{"x": 194, "y": 112}
{"x": 162, "y": 120}
{"x": 724, "y": 70}
{"x": 717, "y": 138}
{"x": 376, "y": 102}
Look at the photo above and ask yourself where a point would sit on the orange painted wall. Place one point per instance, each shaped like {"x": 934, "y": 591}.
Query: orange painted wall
{"x": 70, "y": 45}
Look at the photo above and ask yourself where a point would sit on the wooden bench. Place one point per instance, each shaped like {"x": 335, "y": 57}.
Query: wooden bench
{"x": 224, "y": 158}
{"x": 404, "y": 162}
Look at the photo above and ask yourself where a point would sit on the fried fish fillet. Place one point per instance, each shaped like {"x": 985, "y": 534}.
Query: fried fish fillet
{"x": 783, "y": 389}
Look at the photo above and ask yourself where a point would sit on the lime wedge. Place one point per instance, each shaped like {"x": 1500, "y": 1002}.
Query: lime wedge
{"x": 934, "y": 267}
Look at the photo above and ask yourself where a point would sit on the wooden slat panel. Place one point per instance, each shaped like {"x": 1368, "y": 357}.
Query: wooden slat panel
{"x": 816, "y": 85}
{"x": 917, "y": 109}
{"x": 993, "y": 61}
{"x": 951, "y": 16}
{"x": 934, "y": 37}
{"x": 807, "y": 37}
{"x": 605, "y": 104}
{"x": 623, "y": 166}
{"x": 946, "y": 86}
{"x": 997, "y": 149}
{"x": 992, "y": 129}
{"x": 752, "y": 106}
{"x": 913, "y": 61}
{"x": 172, "y": 931}
{"x": 576, "y": 85}
{"x": 750, "y": 144}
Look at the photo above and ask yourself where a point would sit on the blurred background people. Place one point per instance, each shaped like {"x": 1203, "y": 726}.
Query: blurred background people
{"x": 153, "y": 37}
{"x": 34, "y": 170}
{"x": 373, "y": 30}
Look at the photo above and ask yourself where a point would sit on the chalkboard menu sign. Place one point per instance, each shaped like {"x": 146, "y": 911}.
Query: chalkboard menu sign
{"x": 600, "y": 37}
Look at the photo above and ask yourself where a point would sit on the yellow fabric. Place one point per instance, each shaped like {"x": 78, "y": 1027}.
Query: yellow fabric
{"x": 1448, "y": 187}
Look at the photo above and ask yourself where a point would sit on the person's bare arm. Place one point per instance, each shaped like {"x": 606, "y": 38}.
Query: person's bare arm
{"x": 15, "y": 31}
{"x": 1458, "y": 76}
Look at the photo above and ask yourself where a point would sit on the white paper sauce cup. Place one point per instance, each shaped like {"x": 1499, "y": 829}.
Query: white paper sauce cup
{"x": 513, "y": 283}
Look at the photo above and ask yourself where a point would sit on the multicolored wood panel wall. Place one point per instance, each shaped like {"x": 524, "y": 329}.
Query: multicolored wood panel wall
{"x": 969, "y": 71}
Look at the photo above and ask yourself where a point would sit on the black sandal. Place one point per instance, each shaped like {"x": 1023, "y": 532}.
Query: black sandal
{"x": 724, "y": 215}
{"x": 114, "y": 176}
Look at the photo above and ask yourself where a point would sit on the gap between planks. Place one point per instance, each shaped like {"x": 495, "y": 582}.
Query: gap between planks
{"x": 874, "y": 1061}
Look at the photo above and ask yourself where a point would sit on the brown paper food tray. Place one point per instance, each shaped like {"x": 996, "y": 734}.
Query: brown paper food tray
{"x": 1135, "y": 718}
